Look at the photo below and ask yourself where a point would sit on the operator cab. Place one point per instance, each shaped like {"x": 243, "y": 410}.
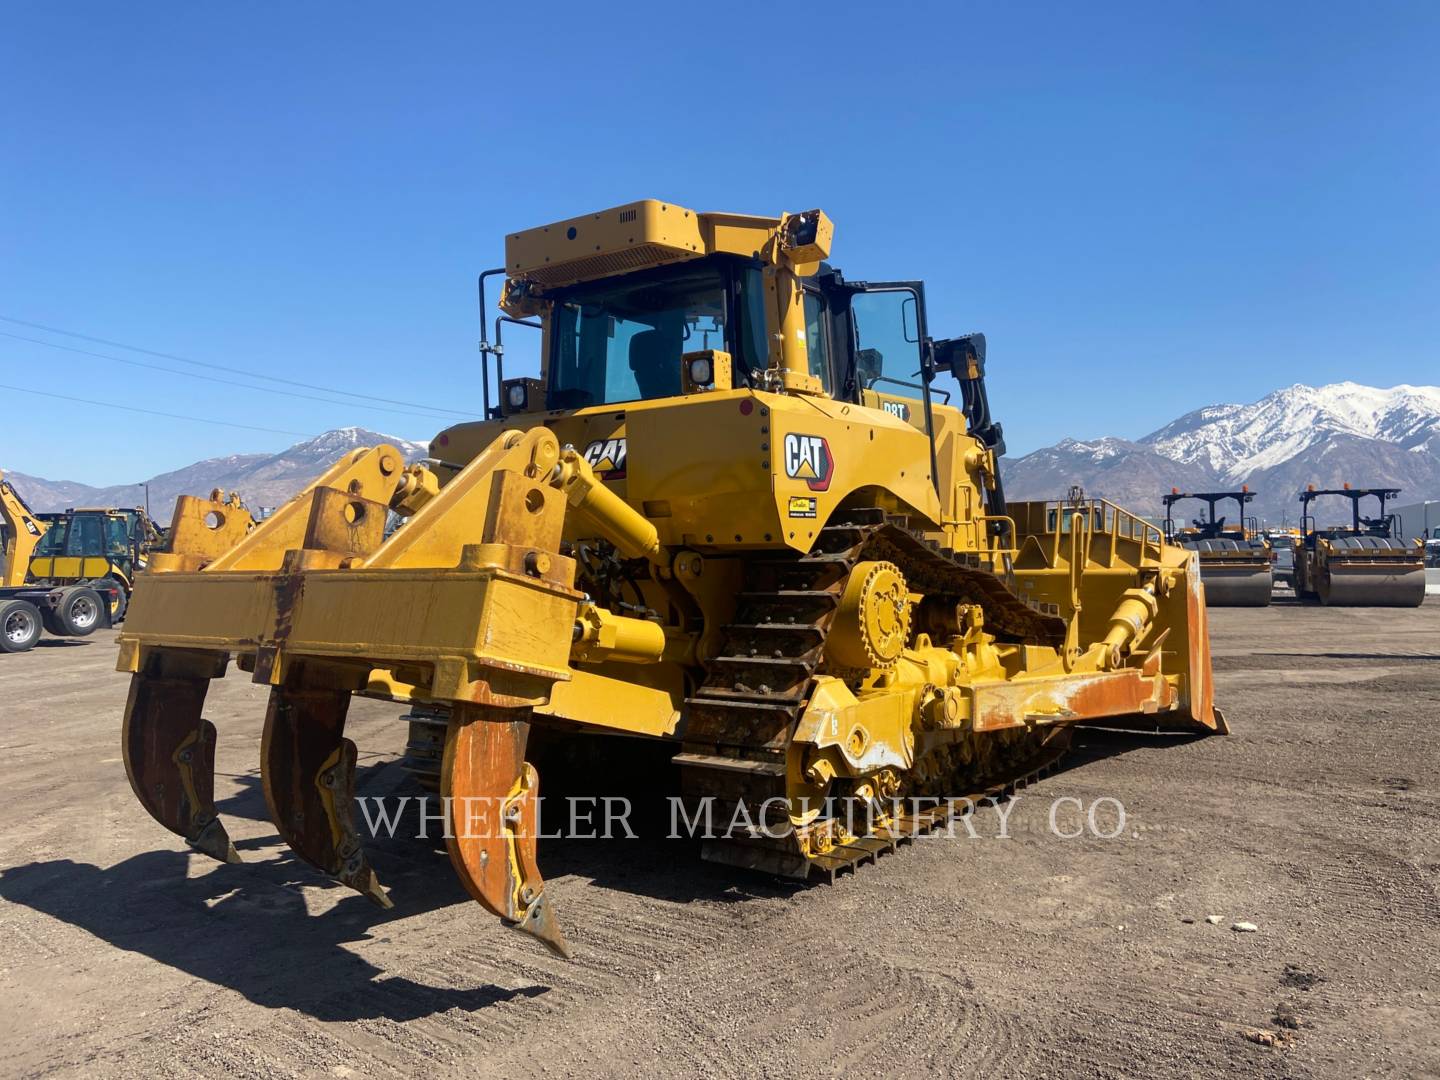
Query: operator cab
{"x": 650, "y": 301}
{"x": 623, "y": 339}
{"x": 1382, "y": 528}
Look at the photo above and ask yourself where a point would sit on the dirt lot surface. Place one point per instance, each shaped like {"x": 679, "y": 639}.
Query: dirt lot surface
{"x": 1318, "y": 821}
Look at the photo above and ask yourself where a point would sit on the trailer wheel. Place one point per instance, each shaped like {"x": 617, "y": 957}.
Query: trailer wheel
{"x": 50, "y": 618}
{"x": 19, "y": 626}
{"x": 80, "y": 610}
{"x": 117, "y": 612}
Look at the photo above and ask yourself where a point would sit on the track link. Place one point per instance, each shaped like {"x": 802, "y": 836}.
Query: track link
{"x": 742, "y": 719}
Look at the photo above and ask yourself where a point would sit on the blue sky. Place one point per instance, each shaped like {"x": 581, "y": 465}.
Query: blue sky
{"x": 1146, "y": 207}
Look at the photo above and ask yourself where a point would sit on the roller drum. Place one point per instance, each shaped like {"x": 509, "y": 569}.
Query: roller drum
{"x": 1348, "y": 587}
{"x": 1244, "y": 586}
{"x": 1235, "y": 573}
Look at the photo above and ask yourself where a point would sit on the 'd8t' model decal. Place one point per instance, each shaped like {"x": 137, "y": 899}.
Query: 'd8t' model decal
{"x": 807, "y": 457}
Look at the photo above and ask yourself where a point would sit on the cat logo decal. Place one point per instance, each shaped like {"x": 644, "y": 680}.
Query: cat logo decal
{"x": 607, "y": 458}
{"x": 807, "y": 457}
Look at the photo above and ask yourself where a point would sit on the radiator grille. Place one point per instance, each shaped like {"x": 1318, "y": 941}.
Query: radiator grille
{"x": 598, "y": 266}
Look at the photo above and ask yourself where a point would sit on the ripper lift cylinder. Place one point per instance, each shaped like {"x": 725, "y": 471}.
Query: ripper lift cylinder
{"x": 620, "y": 523}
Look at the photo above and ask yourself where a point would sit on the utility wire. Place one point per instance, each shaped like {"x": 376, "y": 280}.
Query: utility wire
{"x": 211, "y": 378}
{"x": 223, "y": 367}
{"x": 151, "y": 412}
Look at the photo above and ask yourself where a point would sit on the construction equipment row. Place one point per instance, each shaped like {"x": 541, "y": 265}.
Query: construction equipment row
{"x": 1365, "y": 562}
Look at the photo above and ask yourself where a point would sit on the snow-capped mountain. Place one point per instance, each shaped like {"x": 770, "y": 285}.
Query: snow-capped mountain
{"x": 1124, "y": 472}
{"x": 261, "y": 479}
{"x": 1328, "y": 435}
{"x": 1238, "y": 440}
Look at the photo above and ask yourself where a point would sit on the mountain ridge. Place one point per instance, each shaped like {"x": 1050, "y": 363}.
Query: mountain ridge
{"x": 261, "y": 479}
{"x": 1297, "y": 435}
{"x": 1328, "y": 435}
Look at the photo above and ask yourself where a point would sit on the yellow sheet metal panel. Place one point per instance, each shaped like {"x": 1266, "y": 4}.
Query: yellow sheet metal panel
{"x": 193, "y": 610}
{"x": 622, "y": 239}
{"x": 739, "y": 234}
{"x": 597, "y": 701}
{"x": 485, "y": 616}
{"x": 734, "y": 467}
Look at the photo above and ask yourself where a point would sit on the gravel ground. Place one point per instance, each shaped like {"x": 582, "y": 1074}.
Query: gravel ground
{"x": 1029, "y": 955}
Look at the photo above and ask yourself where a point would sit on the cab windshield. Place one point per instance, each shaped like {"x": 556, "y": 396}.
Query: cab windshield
{"x": 53, "y": 542}
{"x": 623, "y": 342}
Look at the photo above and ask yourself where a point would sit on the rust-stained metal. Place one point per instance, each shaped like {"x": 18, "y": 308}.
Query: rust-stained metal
{"x": 169, "y": 752}
{"x": 491, "y": 794}
{"x": 308, "y": 773}
{"x": 201, "y": 530}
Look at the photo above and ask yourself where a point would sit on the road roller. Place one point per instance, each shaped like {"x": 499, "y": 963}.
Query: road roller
{"x": 1236, "y": 561}
{"x": 1366, "y": 563}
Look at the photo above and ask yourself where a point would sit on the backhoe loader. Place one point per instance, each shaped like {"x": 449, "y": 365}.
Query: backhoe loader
{"x": 743, "y": 514}
{"x": 65, "y": 609}
{"x": 1235, "y": 559}
{"x": 1366, "y": 563}
{"x": 103, "y": 547}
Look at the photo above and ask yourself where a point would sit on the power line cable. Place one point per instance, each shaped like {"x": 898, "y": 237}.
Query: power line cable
{"x": 226, "y": 368}
{"x": 212, "y": 378}
{"x": 152, "y": 412}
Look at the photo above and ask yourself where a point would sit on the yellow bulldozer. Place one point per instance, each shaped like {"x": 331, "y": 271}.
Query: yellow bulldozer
{"x": 743, "y": 514}
{"x": 1366, "y": 562}
{"x": 1235, "y": 558}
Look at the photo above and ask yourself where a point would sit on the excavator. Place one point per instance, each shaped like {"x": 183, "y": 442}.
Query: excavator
{"x": 749, "y": 514}
{"x": 1366, "y": 563}
{"x": 1235, "y": 559}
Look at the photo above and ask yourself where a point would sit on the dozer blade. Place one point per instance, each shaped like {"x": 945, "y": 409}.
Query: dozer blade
{"x": 169, "y": 752}
{"x": 308, "y": 770}
{"x": 492, "y": 795}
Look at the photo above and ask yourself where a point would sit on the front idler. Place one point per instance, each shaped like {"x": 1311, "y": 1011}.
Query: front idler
{"x": 308, "y": 769}
{"x": 492, "y": 795}
{"x": 169, "y": 752}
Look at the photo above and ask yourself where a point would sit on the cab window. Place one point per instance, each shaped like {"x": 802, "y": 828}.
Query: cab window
{"x": 817, "y": 341}
{"x": 117, "y": 536}
{"x": 86, "y": 537}
{"x": 624, "y": 342}
{"x": 887, "y": 343}
{"x": 53, "y": 542}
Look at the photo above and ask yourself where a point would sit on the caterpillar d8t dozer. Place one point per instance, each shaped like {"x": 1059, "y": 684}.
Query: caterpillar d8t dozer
{"x": 1235, "y": 561}
{"x": 1367, "y": 563}
{"x": 736, "y": 513}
